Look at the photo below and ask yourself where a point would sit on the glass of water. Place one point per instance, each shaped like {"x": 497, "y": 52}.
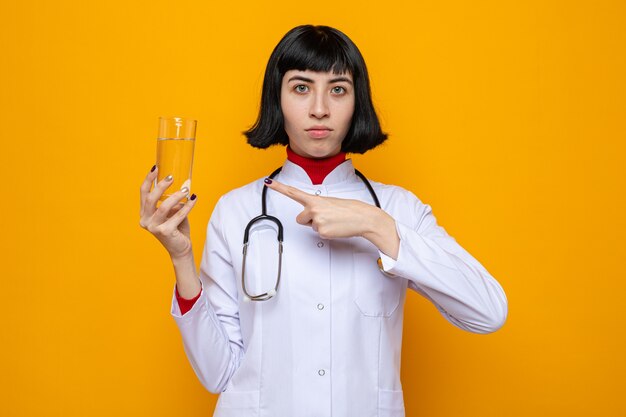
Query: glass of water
{"x": 175, "y": 144}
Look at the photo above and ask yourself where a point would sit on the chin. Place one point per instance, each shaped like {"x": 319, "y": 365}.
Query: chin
{"x": 320, "y": 155}
{"x": 322, "y": 152}
{"x": 315, "y": 148}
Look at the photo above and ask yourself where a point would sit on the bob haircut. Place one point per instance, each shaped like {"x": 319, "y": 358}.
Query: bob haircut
{"x": 320, "y": 49}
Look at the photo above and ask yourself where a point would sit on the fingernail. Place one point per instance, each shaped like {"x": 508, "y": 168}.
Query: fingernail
{"x": 193, "y": 197}
{"x": 169, "y": 178}
{"x": 185, "y": 190}
{"x": 268, "y": 181}
{"x": 153, "y": 168}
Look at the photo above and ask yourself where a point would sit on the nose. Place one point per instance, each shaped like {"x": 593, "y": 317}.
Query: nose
{"x": 319, "y": 106}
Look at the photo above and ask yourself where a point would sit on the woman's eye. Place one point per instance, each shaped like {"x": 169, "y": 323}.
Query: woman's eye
{"x": 338, "y": 90}
{"x": 301, "y": 88}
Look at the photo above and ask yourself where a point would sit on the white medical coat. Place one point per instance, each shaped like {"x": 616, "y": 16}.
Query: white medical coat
{"x": 328, "y": 344}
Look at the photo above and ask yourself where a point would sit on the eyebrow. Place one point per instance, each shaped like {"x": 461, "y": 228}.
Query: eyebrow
{"x": 309, "y": 80}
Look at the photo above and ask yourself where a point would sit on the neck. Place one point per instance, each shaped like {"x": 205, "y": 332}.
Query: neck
{"x": 316, "y": 169}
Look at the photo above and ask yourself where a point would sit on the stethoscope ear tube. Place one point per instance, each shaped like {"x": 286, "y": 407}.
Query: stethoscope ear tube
{"x": 264, "y": 192}
{"x": 369, "y": 187}
{"x": 246, "y": 235}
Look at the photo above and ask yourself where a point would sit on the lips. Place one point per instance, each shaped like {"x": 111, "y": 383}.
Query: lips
{"x": 318, "y": 132}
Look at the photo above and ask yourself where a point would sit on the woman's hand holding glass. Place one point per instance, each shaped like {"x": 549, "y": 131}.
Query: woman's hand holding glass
{"x": 168, "y": 222}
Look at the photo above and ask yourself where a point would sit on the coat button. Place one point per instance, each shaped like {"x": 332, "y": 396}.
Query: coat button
{"x": 320, "y": 244}
{"x": 321, "y": 372}
{"x": 320, "y": 306}
{"x": 318, "y": 192}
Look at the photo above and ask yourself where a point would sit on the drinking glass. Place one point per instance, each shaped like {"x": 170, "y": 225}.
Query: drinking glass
{"x": 175, "y": 143}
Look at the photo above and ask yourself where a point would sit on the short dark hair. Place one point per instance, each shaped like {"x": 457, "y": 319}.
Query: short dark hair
{"x": 316, "y": 48}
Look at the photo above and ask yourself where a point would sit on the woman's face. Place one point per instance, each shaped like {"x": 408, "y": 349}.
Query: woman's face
{"x": 317, "y": 108}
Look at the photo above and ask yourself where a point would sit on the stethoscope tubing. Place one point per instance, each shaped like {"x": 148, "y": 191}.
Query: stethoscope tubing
{"x": 264, "y": 216}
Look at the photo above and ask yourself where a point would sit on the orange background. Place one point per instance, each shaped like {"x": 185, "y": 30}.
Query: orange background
{"x": 507, "y": 117}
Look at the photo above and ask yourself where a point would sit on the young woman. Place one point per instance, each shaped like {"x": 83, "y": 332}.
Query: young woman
{"x": 305, "y": 319}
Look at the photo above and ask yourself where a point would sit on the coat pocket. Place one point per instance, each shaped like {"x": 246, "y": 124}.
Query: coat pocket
{"x": 234, "y": 403}
{"x": 376, "y": 295}
{"x": 390, "y": 403}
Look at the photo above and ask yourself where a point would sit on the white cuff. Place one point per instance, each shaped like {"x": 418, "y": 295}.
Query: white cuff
{"x": 388, "y": 262}
{"x": 175, "y": 310}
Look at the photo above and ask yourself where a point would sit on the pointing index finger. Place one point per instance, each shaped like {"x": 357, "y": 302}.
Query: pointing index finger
{"x": 291, "y": 192}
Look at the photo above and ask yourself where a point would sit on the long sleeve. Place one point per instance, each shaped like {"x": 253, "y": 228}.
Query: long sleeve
{"x": 210, "y": 330}
{"x": 442, "y": 271}
{"x": 185, "y": 304}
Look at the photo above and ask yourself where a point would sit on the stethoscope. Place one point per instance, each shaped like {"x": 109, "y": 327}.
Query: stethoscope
{"x": 264, "y": 216}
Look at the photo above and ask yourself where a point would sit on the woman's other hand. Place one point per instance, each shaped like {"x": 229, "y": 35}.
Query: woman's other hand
{"x": 339, "y": 218}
